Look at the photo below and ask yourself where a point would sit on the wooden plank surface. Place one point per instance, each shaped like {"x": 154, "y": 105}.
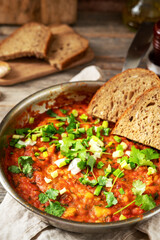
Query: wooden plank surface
{"x": 109, "y": 39}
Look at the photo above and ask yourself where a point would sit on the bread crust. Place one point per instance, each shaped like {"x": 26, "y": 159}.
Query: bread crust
{"x": 109, "y": 107}
{"x": 146, "y": 128}
{"x": 26, "y": 47}
{"x": 66, "y": 48}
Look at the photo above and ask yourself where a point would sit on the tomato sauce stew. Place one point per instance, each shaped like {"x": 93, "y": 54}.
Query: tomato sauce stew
{"x": 68, "y": 164}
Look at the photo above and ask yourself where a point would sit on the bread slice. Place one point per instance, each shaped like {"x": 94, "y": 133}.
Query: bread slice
{"x": 141, "y": 121}
{"x": 66, "y": 48}
{"x": 116, "y": 95}
{"x": 29, "y": 40}
{"x": 61, "y": 29}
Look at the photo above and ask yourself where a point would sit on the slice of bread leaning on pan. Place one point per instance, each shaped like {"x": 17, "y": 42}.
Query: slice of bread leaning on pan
{"x": 141, "y": 121}
{"x": 116, "y": 95}
{"x": 131, "y": 99}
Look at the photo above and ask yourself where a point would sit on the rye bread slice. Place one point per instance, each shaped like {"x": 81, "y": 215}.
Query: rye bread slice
{"x": 61, "y": 29}
{"x": 29, "y": 40}
{"x": 141, "y": 121}
{"x": 65, "y": 48}
{"x": 116, "y": 95}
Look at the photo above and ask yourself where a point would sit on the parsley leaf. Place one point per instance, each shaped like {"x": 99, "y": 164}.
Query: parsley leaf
{"x": 143, "y": 157}
{"x": 25, "y": 163}
{"x": 100, "y": 165}
{"x": 136, "y": 156}
{"x": 150, "y": 153}
{"x": 13, "y": 142}
{"x": 22, "y": 131}
{"x": 110, "y": 198}
{"x": 138, "y": 187}
{"x": 91, "y": 162}
{"x": 14, "y": 169}
{"x": 27, "y": 168}
{"x": 81, "y": 164}
{"x": 23, "y": 160}
{"x": 55, "y": 209}
{"x": 52, "y": 193}
{"x": 51, "y": 113}
{"x": 102, "y": 180}
{"x": 63, "y": 111}
{"x": 85, "y": 181}
{"x": 145, "y": 201}
{"x": 43, "y": 198}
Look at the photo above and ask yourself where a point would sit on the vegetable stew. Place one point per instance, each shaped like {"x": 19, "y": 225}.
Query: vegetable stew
{"x": 68, "y": 164}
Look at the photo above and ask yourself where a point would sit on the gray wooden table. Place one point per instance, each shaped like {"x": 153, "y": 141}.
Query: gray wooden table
{"x": 109, "y": 39}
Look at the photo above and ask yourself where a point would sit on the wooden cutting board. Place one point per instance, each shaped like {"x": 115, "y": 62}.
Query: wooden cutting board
{"x": 25, "y": 69}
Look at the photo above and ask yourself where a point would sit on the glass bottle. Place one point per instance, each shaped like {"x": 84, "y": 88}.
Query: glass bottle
{"x": 137, "y": 11}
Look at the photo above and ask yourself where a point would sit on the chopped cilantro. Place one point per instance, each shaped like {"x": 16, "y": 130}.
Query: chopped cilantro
{"x": 82, "y": 154}
{"x": 13, "y": 142}
{"x": 143, "y": 157}
{"x": 55, "y": 209}
{"x": 102, "y": 180}
{"x": 24, "y": 165}
{"x": 14, "y": 169}
{"x": 145, "y": 201}
{"x": 50, "y": 194}
{"x": 82, "y": 164}
{"x": 51, "y": 113}
{"x": 150, "y": 153}
{"x": 100, "y": 165}
{"x": 85, "y": 142}
{"x": 110, "y": 198}
{"x": 85, "y": 181}
{"x": 43, "y": 198}
{"x": 22, "y": 131}
{"x": 27, "y": 168}
{"x": 138, "y": 187}
{"x": 63, "y": 111}
{"x": 91, "y": 162}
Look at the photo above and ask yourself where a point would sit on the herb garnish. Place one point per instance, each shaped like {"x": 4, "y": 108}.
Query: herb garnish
{"x": 24, "y": 166}
{"x": 54, "y": 208}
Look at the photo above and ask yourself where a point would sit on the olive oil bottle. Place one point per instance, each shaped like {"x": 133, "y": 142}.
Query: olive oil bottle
{"x": 137, "y": 11}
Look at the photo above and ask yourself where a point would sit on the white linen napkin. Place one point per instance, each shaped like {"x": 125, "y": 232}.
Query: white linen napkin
{"x": 18, "y": 223}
